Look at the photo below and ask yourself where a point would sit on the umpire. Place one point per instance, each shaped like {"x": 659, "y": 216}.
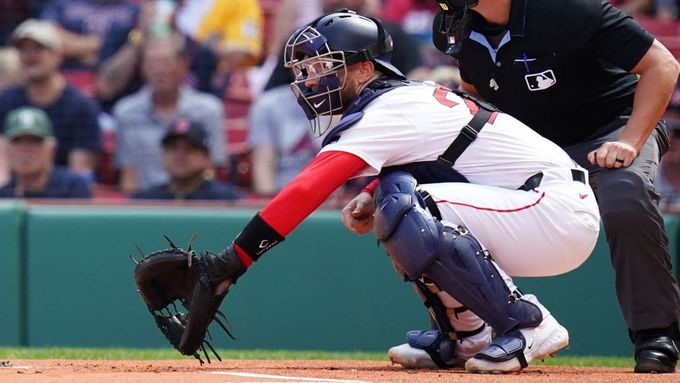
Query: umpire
{"x": 588, "y": 77}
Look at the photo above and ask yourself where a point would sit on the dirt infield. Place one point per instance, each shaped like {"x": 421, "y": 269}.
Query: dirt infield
{"x": 268, "y": 371}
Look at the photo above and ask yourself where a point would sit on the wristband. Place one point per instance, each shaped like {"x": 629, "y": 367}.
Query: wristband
{"x": 257, "y": 237}
{"x": 370, "y": 188}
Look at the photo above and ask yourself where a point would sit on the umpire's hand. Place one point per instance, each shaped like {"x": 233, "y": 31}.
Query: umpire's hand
{"x": 613, "y": 155}
{"x": 357, "y": 215}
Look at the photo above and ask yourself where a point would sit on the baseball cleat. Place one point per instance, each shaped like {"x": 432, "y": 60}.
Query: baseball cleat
{"x": 432, "y": 350}
{"x": 515, "y": 350}
{"x": 410, "y": 357}
{"x": 426, "y": 349}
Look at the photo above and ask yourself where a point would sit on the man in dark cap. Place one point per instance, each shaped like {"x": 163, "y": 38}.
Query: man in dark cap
{"x": 186, "y": 156}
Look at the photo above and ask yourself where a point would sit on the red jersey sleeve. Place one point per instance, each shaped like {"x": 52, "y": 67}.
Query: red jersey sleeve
{"x": 299, "y": 199}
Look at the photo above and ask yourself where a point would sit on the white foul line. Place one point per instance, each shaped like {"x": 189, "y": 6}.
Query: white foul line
{"x": 249, "y": 375}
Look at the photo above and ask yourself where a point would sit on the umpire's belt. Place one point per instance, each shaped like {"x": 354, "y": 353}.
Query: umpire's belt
{"x": 535, "y": 180}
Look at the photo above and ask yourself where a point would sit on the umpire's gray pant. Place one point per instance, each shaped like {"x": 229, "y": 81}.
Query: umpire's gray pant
{"x": 646, "y": 288}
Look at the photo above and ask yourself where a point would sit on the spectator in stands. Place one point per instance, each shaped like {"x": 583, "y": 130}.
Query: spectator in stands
{"x": 142, "y": 118}
{"x": 666, "y": 9}
{"x": 31, "y": 156}
{"x": 119, "y": 73}
{"x": 186, "y": 155}
{"x": 280, "y": 138}
{"x": 232, "y": 29}
{"x": 73, "y": 115}
{"x": 83, "y": 26}
{"x": 289, "y": 15}
{"x": 412, "y": 16}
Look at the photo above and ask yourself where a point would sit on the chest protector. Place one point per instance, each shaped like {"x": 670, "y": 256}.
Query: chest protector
{"x": 437, "y": 171}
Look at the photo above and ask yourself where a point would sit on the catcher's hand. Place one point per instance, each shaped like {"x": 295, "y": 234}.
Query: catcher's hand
{"x": 198, "y": 284}
{"x": 357, "y": 215}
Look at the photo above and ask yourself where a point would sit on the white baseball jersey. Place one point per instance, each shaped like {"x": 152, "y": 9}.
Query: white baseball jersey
{"x": 549, "y": 230}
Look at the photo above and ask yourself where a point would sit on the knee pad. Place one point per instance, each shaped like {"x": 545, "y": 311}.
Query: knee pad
{"x": 407, "y": 231}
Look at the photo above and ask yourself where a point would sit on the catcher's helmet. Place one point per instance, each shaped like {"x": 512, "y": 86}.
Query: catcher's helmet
{"x": 324, "y": 47}
{"x": 451, "y": 24}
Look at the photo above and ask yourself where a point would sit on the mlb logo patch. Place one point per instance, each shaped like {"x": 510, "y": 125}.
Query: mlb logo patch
{"x": 540, "y": 81}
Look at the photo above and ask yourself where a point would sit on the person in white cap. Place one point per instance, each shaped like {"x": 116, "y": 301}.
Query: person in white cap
{"x": 73, "y": 115}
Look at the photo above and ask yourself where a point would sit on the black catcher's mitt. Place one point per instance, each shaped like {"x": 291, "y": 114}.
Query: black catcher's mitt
{"x": 175, "y": 277}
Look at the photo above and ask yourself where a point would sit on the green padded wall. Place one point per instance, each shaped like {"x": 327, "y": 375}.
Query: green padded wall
{"x": 321, "y": 289}
{"x": 10, "y": 274}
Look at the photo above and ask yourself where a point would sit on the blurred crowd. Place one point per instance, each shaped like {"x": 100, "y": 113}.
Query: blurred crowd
{"x": 189, "y": 100}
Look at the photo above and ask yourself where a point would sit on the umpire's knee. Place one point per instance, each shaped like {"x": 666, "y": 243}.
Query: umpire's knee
{"x": 625, "y": 198}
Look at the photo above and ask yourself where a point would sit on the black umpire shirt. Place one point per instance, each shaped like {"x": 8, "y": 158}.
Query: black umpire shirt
{"x": 561, "y": 66}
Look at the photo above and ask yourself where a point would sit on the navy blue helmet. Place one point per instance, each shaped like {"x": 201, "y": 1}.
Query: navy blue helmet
{"x": 326, "y": 46}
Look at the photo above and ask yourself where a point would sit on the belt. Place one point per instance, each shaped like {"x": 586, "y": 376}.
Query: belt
{"x": 431, "y": 205}
{"x": 531, "y": 183}
{"x": 535, "y": 180}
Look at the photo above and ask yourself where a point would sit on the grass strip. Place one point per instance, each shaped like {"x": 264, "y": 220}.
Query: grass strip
{"x": 9, "y": 353}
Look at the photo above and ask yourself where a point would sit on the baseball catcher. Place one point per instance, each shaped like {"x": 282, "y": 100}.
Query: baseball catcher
{"x": 455, "y": 180}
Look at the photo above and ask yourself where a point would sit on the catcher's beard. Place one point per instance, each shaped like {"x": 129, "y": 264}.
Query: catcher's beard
{"x": 348, "y": 93}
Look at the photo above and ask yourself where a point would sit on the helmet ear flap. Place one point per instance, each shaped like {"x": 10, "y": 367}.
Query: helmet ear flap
{"x": 439, "y": 37}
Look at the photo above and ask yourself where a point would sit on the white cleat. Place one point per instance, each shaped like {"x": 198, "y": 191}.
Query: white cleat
{"x": 448, "y": 353}
{"x": 501, "y": 356}
{"x": 410, "y": 358}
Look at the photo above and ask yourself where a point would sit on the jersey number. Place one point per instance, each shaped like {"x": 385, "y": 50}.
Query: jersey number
{"x": 440, "y": 95}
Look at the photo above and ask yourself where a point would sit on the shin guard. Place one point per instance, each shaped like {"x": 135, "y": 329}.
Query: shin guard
{"x": 450, "y": 257}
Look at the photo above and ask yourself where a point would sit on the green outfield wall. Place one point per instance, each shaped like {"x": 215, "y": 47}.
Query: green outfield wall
{"x": 12, "y": 309}
{"x": 67, "y": 280}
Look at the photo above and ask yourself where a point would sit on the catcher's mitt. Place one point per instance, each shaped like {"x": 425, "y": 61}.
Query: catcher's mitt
{"x": 175, "y": 275}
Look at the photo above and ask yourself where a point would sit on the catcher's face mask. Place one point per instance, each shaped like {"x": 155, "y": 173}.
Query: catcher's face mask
{"x": 319, "y": 76}
{"x": 453, "y": 23}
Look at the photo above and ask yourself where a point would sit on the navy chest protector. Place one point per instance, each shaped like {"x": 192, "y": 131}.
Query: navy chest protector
{"x": 437, "y": 171}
